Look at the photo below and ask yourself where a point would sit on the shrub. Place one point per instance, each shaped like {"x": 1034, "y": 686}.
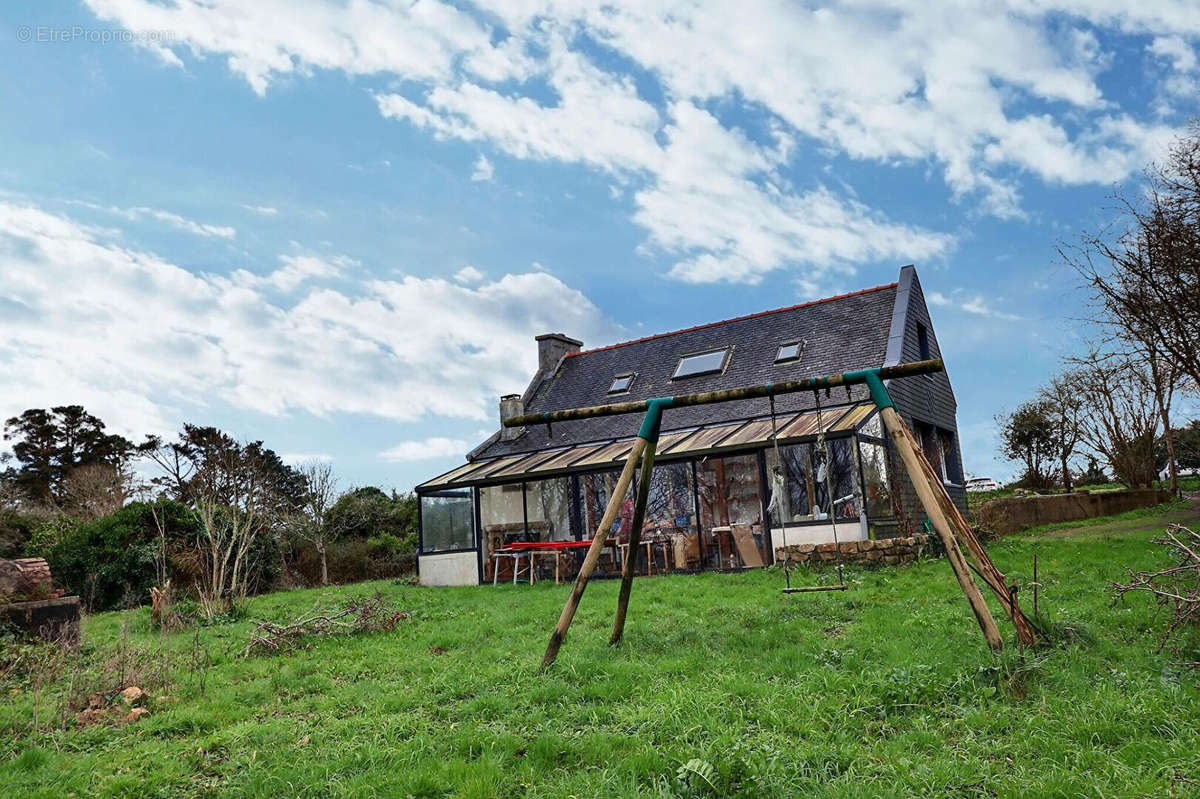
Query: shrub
{"x": 110, "y": 562}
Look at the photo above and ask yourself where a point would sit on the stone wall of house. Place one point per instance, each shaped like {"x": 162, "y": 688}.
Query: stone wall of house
{"x": 881, "y": 552}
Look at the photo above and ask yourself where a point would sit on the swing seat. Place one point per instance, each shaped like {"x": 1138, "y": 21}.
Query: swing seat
{"x": 808, "y": 589}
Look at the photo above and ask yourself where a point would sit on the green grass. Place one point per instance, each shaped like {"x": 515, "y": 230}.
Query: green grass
{"x": 884, "y": 690}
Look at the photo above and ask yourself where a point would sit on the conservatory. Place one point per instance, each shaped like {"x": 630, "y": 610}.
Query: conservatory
{"x": 530, "y": 517}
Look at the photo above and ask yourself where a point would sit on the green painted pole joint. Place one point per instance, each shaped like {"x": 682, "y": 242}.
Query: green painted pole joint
{"x": 652, "y": 422}
{"x": 879, "y": 392}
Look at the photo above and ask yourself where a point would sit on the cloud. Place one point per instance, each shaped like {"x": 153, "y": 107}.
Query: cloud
{"x": 262, "y": 210}
{"x": 427, "y": 449}
{"x": 983, "y": 94}
{"x": 972, "y": 304}
{"x": 468, "y": 274}
{"x": 483, "y": 170}
{"x": 297, "y": 270}
{"x": 146, "y": 344}
{"x": 298, "y": 458}
{"x": 173, "y": 220}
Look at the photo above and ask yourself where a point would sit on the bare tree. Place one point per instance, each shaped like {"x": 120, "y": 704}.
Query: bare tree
{"x": 311, "y": 523}
{"x": 97, "y": 489}
{"x": 1120, "y": 420}
{"x": 1063, "y": 406}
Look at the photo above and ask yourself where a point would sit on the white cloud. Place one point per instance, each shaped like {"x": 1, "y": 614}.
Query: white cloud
{"x": 298, "y": 458}
{"x": 483, "y": 169}
{"x": 425, "y": 450}
{"x": 468, "y": 274}
{"x": 173, "y": 220}
{"x": 144, "y": 343}
{"x": 970, "y": 303}
{"x": 297, "y": 270}
{"x": 262, "y": 210}
{"x": 985, "y": 93}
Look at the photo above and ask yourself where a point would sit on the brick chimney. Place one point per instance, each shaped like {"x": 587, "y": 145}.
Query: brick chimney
{"x": 510, "y": 405}
{"x": 552, "y": 347}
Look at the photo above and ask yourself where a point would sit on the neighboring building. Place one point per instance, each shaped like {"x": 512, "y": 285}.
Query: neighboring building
{"x": 718, "y": 473}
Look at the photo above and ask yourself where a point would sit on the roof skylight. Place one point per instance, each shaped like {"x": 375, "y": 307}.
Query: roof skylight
{"x": 621, "y": 383}
{"x": 790, "y": 351}
{"x": 702, "y": 363}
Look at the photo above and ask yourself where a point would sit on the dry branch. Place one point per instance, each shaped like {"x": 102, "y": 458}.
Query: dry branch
{"x": 1176, "y": 587}
{"x": 359, "y": 616}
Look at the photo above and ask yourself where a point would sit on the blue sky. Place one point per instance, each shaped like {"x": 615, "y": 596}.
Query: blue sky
{"x": 338, "y": 226}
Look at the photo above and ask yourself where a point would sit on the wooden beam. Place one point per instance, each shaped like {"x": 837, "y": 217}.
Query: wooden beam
{"x": 941, "y": 523}
{"x": 635, "y": 541}
{"x": 593, "y": 554}
{"x": 725, "y": 395}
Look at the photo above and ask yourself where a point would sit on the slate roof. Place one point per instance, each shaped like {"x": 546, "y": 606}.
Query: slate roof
{"x": 846, "y": 332}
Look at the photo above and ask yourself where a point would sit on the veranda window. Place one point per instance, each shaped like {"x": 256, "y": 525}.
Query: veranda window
{"x": 447, "y": 522}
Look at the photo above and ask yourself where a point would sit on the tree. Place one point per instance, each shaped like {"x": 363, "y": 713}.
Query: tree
{"x": 50, "y": 444}
{"x": 1028, "y": 435}
{"x": 97, "y": 489}
{"x": 1063, "y": 406}
{"x": 240, "y": 493}
{"x": 371, "y": 513}
{"x": 1120, "y": 420}
{"x": 1144, "y": 273}
{"x": 313, "y": 522}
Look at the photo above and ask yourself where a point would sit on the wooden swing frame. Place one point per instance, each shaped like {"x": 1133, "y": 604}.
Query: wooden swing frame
{"x": 952, "y": 528}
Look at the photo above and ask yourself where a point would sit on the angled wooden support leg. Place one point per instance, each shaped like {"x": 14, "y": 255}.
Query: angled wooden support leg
{"x": 593, "y": 554}
{"x": 1027, "y": 632}
{"x": 635, "y": 535}
{"x": 941, "y": 523}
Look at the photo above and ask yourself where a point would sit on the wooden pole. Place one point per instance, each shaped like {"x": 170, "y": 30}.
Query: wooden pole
{"x": 937, "y": 515}
{"x": 992, "y": 576}
{"x": 635, "y": 540}
{"x": 593, "y": 554}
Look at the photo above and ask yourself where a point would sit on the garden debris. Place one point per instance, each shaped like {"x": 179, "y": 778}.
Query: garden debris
{"x": 1177, "y": 587}
{"x": 358, "y": 616}
{"x": 137, "y": 714}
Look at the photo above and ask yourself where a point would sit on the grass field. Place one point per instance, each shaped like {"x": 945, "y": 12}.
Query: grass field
{"x": 723, "y": 687}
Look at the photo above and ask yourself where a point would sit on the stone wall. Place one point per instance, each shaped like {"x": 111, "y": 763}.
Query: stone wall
{"x": 1010, "y": 514}
{"x": 881, "y": 552}
{"x": 51, "y": 619}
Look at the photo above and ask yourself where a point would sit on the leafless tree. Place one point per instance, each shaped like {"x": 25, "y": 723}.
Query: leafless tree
{"x": 1119, "y": 419}
{"x": 311, "y": 522}
{"x": 1144, "y": 274}
{"x": 97, "y": 489}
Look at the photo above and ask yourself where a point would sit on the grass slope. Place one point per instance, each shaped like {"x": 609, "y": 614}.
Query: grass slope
{"x": 723, "y": 687}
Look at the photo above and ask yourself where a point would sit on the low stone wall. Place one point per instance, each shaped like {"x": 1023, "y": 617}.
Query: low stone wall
{"x": 885, "y": 551}
{"x": 51, "y": 619}
{"x": 1010, "y": 514}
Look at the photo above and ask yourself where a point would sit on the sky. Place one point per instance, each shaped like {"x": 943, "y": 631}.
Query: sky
{"x": 337, "y": 226}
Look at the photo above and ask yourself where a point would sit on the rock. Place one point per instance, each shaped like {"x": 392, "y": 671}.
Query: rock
{"x": 137, "y": 714}
{"x": 132, "y": 695}
{"x": 826, "y": 547}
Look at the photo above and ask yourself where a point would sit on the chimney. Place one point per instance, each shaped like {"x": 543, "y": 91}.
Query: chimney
{"x": 510, "y": 406}
{"x": 552, "y": 347}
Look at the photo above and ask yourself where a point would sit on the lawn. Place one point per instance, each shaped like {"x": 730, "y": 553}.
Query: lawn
{"x": 723, "y": 687}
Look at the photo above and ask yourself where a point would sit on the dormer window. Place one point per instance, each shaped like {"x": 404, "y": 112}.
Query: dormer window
{"x": 621, "y": 383}
{"x": 702, "y": 363}
{"x": 789, "y": 351}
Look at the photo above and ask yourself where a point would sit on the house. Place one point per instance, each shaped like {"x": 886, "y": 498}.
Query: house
{"x": 732, "y": 482}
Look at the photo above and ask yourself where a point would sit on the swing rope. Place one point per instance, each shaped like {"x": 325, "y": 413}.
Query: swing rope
{"x": 824, "y": 445}
{"x": 841, "y": 586}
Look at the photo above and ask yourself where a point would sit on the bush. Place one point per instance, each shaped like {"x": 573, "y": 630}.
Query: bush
{"x": 16, "y": 530}
{"x": 110, "y": 562}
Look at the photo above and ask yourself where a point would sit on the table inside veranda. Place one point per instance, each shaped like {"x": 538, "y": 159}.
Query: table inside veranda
{"x": 531, "y": 550}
